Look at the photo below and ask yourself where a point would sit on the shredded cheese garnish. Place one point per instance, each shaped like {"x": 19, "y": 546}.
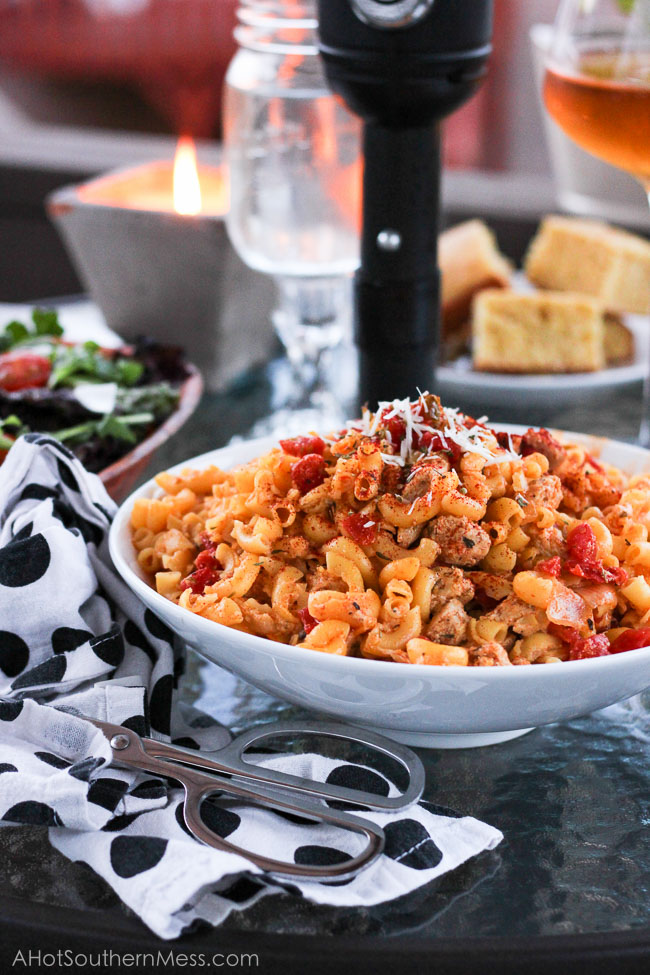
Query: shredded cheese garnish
{"x": 416, "y": 420}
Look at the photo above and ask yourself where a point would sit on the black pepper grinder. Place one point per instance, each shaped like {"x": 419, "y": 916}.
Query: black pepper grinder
{"x": 402, "y": 66}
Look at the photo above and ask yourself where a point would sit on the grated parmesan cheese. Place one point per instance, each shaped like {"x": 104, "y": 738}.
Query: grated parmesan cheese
{"x": 414, "y": 416}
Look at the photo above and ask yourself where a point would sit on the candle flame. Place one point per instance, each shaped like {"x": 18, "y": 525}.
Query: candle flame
{"x": 187, "y": 189}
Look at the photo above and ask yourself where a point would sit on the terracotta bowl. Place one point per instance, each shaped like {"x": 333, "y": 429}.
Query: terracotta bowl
{"x": 120, "y": 478}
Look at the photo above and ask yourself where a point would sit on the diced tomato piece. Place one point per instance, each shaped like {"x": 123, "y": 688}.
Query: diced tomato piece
{"x": 585, "y": 570}
{"x": 631, "y": 640}
{"x": 593, "y": 646}
{"x": 582, "y": 544}
{"x": 552, "y": 567}
{"x": 426, "y": 440}
{"x": 199, "y": 579}
{"x": 308, "y": 473}
{"x": 503, "y": 438}
{"x": 396, "y": 428}
{"x": 308, "y": 621}
{"x": 23, "y": 371}
{"x": 206, "y": 572}
{"x": 432, "y": 442}
{"x": 584, "y": 561}
{"x": 360, "y": 528}
{"x": 539, "y": 441}
{"x": 206, "y": 560}
{"x": 617, "y": 576}
{"x": 564, "y": 633}
{"x": 206, "y": 542}
{"x": 596, "y": 572}
{"x": 301, "y": 446}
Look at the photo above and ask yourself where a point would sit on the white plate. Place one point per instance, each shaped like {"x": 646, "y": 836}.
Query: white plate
{"x": 457, "y": 380}
{"x": 443, "y": 707}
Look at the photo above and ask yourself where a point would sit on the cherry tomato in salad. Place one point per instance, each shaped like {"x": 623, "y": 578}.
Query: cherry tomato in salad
{"x": 24, "y": 370}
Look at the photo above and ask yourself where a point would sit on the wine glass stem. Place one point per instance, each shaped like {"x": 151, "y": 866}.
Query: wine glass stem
{"x": 312, "y": 317}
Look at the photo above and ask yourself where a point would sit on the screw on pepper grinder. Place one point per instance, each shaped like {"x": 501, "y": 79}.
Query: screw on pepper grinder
{"x": 402, "y": 66}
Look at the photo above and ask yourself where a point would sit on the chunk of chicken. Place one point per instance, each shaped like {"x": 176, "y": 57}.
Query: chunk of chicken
{"x": 545, "y": 491}
{"x": 494, "y": 586}
{"x": 462, "y": 542}
{"x": 449, "y": 584}
{"x": 449, "y": 625}
{"x": 542, "y": 442}
{"x": 489, "y": 655}
{"x": 319, "y": 578}
{"x": 523, "y": 618}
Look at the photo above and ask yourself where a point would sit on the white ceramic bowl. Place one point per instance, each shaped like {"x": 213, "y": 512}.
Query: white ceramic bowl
{"x": 437, "y": 707}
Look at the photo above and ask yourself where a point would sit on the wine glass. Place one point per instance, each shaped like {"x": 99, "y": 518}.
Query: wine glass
{"x": 294, "y": 159}
{"x": 597, "y": 89}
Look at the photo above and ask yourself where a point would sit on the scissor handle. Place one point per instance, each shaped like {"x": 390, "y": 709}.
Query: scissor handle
{"x": 232, "y": 757}
{"x": 197, "y": 791}
{"x": 132, "y": 751}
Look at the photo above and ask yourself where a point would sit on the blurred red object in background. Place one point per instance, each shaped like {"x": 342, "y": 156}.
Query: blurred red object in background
{"x": 478, "y": 135}
{"x": 175, "y": 51}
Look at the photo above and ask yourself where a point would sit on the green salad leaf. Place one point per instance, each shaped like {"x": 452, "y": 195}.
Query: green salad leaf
{"x": 157, "y": 398}
{"x": 10, "y": 429}
{"x": 87, "y": 363}
{"x": 110, "y": 425}
{"x": 45, "y": 323}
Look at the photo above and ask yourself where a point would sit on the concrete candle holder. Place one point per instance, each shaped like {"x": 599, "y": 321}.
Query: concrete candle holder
{"x": 173, "y": 277}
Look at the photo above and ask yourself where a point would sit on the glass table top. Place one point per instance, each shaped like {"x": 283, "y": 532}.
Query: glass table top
{"x": 573, "y": 800}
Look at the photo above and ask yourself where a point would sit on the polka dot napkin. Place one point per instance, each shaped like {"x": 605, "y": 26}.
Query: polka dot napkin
{"x": 75, "y": 641}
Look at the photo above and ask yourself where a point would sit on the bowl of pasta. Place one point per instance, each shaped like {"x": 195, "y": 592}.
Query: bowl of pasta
{"x": 421, "y": 573}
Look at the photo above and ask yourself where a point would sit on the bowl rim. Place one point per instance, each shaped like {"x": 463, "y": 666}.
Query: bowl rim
{"x": 349, "y": 664}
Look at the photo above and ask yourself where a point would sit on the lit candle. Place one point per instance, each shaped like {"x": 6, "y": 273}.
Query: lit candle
{"x": 182, "y": 187}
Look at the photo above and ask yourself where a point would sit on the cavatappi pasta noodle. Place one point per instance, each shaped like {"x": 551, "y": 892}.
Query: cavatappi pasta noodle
{"x": 417, "y": 535}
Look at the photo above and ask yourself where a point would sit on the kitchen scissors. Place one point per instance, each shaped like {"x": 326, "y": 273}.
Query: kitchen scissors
{"x": 226, "y": 772}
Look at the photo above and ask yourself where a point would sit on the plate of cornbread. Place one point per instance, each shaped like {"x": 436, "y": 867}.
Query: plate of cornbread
{"x": 571, "y": 323}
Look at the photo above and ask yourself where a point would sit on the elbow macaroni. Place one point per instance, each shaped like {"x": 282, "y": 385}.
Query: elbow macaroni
{"x": 336, "y": 549}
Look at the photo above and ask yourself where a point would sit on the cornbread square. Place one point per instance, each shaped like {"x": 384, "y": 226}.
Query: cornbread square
{"x": 592, "y": 258}
{"x": 619, "y": 341}
{"x": 469, "y": 261}
{"x": 541, "y": 332}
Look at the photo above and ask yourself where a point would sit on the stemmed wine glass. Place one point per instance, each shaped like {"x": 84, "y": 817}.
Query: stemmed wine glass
{"x": 294, "y": 158}
{"x": 597, "y": 89}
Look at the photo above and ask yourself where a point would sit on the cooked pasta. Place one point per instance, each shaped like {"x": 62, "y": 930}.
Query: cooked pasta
{"x": 418, "y": 536}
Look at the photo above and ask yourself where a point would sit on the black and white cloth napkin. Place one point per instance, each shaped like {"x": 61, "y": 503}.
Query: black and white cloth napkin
{"x": 74, "y": 640}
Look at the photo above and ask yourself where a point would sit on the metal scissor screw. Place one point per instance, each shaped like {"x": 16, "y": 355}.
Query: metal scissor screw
{"x": 118, "y": 742}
